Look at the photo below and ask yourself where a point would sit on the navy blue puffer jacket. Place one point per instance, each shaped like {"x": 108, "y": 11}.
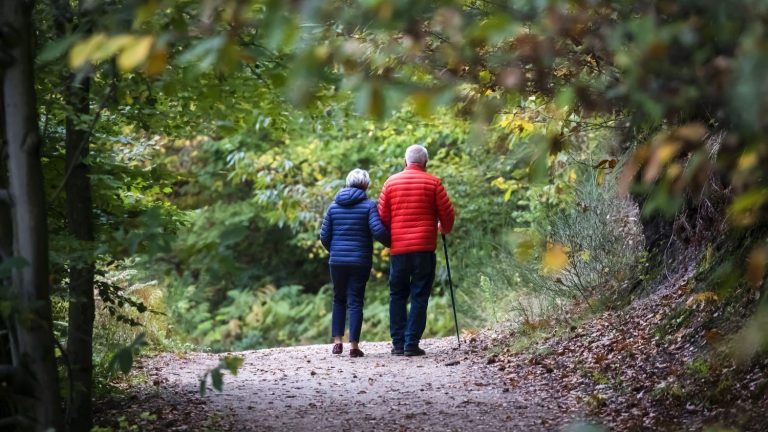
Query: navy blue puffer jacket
{"x": 349, "y": 227}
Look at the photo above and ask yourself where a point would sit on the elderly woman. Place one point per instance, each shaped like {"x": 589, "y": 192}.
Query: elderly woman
{"x": 349, "y": 227}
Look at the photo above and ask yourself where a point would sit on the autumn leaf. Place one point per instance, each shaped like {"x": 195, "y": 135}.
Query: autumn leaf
{"x": 756, "y": 266}
{"x": 712, "y": 336}
{"x": 701, "y": 298}
{"x": 82, "y": 51}
{"x": 555, "y": 258}
{"x": 135, "y": 54}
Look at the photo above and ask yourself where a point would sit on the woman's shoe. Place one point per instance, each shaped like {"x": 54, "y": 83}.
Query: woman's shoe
{"x": 354, "y": 352}
{"x": 337, "y": 348}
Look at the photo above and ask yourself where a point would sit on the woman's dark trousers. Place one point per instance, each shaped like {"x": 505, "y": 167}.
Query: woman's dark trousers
{"x": 348, "y": 295}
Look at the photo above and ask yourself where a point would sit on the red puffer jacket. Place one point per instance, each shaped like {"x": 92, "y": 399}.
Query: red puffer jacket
{"x": 411, "y": 204}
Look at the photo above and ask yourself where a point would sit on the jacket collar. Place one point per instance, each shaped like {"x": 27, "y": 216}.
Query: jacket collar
{"x": 413, "y": 166}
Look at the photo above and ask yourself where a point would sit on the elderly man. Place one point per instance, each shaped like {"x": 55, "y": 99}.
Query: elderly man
{"x": 414, "y": 206}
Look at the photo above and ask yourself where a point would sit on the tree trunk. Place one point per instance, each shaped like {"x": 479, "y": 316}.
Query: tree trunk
{"x": 6, "y": 246}
{"x": 81, "y": 274}
{"x": 6, "y": 239}
{"x": 79, "y": 210}
{"x": 30, "y": 230}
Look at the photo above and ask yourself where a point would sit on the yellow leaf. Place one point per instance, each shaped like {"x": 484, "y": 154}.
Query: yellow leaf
{"x": 499, "y": 182}
{"x": 748, "y": 160}
{"x": 600, "y": 177}
{"x": 555, "y": 258}
{"x": 508, "y": 194}
{"x": 691, "y": 132}
{"x": 660, "y": 155}
{"x": 701, "y": 298}
{"x": 111, "y": 46}
{"x": 756, "y": 266}
{"x": 135, "y": 54}
{"x": 157, "y": 62}
{"x": 82, "y": 51}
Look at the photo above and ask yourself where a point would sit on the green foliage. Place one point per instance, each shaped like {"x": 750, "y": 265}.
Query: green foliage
{"x": 221, "y": 130}
{"x": 601, "y": 238}
{"x": 228, "y": 363}
{"x": 123, "y": 359}
{"x": 287, "y": 316}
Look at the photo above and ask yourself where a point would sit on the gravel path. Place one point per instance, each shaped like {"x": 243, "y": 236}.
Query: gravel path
{"x": 308, "y": 388}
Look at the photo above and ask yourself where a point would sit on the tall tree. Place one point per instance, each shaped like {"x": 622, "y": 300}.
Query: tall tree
{"x": 30, "y": 231}
{"x": 79, "y": 211}
{"x": 81, "y": 274}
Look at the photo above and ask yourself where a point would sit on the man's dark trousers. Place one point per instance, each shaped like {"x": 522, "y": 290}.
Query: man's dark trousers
{"x": 410, "y": 275}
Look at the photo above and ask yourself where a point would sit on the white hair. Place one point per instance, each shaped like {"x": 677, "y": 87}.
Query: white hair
{"x": 358, "y": 178}
{"x": 416, "y": 154}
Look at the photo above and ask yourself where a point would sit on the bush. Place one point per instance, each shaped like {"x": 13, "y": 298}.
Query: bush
{"x": 604, "y": 244}
{"x": 590, "y": 249}
{"x": 597, "y": 245}
{"x": 270, "y": 317}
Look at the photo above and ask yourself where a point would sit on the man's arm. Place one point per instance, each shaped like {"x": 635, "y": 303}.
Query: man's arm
{"x": 445, "y": 211}
{"x": 384, "y": 211}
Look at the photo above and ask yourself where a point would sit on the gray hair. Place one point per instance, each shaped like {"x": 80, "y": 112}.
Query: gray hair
{"x": 358, "y": 178}
{"x": 416, "y": 154}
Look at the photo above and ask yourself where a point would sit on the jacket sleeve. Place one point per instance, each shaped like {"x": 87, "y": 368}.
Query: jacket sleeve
{"x": 379, "y": 231}
{"x": 445, "y": 212}
{"x": 326, "y": 230}
{"x": 385, "y": 213}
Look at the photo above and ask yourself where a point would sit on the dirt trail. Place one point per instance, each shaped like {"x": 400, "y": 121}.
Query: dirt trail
{"x": 308, "y": 388}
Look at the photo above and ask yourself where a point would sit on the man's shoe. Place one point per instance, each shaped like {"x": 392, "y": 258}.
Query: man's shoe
{"x": 337, "y": 348}
{"x": 354, "y": 352}
{"x": 397, "y": 351}
{"x": 413, "y": 352}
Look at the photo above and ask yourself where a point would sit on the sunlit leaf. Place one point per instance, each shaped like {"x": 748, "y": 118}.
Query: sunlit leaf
{"x": 135, "y": 54}
{"x": 702, "y": 298}
{"x": 554, "y": 259}
{"x": 157, "y": 62}
{"x": 82, "y": 51}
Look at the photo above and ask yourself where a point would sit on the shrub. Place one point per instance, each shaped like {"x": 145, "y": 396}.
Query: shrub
{"x": 591, "y": 250}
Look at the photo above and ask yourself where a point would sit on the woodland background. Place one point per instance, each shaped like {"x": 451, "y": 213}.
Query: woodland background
{"x": 167, "y": 163}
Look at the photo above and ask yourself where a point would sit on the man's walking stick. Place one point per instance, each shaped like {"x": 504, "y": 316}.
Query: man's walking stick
{"x": 450, "y": 284}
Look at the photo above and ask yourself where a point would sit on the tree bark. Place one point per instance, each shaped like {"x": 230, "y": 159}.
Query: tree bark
{"x": 30, "y": 230}
{"x": 79, "y": 211}
{"x": 6, "y": 245}
{"x": 81, "y": 274}
{"x": 6, "y": 239}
